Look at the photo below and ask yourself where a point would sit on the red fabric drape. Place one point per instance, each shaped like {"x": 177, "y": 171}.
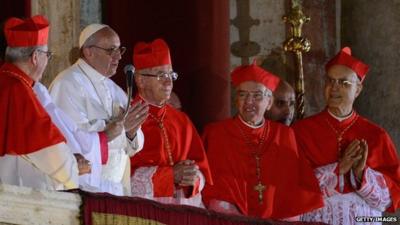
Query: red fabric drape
{"x": 197, "y": 33}
{"x": 14, "y": 8}
{"x": 110, "y": 210}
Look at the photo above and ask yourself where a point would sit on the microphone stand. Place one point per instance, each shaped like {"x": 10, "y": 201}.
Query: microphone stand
{"x": 129, "y": 90}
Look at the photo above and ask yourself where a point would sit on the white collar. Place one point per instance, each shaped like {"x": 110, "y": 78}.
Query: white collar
{"x": 340, "y": 119}
{"x": 151, "y": 104}
{"x": 92, "y": 74}
{"x": 252, "y": 126}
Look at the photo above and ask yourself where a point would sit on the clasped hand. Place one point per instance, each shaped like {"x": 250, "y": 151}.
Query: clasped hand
{"x": 185, "y": 173}
{"x": 84, "y": 165}
{"x": 131, "y": 122}
{"x": 354, "y": 157}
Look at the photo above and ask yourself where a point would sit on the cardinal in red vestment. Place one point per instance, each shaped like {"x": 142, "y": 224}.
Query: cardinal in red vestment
{"x": 256, "y": 168}
{"x": 354, "y": 159}
{"x": 172, "y": 167}
{"x": 33, "y": 152}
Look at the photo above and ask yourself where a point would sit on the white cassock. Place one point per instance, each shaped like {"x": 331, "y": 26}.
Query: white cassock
{"x": 90, "y": 100}
{"x": 85, "y": 143}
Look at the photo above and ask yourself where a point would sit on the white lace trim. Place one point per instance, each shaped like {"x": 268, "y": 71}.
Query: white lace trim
{"x": 342, "y": 209}
{"x": 142, "y": 186}
{"x": 142, "y": 182}
{"x": 327, "y": 178}
{"x": 341, "y": 183}
{"x": 374, "y": 190}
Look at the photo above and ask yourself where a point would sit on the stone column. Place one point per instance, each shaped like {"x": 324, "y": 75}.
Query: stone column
{"x": 64, "y": 17}
{"x": 256, "y": 29}
{"x": 91, "y": 12}
{"x": 323, "y": 31}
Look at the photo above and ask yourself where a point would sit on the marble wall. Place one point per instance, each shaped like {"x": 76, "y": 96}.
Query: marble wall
{"x": 258, "y": 31}
{"x": 375, "y": 39}
{"x": 64, "y": 30}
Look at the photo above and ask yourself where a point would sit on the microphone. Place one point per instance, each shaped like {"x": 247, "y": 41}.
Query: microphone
{"x": 129, "y": 70}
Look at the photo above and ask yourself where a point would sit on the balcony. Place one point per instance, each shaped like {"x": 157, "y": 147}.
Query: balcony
{"x": 25, "y": 206}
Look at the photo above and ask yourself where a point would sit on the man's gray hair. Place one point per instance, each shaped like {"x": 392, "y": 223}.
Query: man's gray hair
{"x": 268, "y": 92}
{"x": 19, "y": 54}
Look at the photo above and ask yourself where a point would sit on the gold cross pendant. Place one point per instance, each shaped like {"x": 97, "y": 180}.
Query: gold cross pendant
{"x": 260, "y": 188}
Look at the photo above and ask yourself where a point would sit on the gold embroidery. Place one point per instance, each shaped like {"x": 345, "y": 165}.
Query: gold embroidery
{"x": 114, "y": 219}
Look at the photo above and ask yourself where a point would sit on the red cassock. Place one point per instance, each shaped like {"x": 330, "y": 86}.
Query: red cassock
{"x": 25, "y": 127}
{"x": 318, "y": 139}
{"x": 291, "y": 188}
{"x": 184, "y": 142}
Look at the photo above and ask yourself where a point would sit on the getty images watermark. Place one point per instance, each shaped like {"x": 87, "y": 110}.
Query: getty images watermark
{"x": 371, "y": 219}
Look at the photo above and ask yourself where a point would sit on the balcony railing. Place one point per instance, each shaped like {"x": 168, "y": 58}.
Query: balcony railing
{"x": 21, "y": 205}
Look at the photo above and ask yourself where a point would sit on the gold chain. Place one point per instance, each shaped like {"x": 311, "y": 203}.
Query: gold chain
{"x": 339, "y": 135}
{"x": 165, "y": 135}
{"x": 259, "y": 187}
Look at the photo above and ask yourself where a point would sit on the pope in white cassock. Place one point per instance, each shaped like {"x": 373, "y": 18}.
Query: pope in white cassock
{"x": 95, "y": 103}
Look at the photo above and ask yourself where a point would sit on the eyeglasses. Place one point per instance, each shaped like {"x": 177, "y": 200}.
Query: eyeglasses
{"x": 162, "y": 75}
{"x": 257, "y": 96}
{"x": 49, "y": 54}
{"x": 343, "y": 83}
{"x": 114, "y": 51}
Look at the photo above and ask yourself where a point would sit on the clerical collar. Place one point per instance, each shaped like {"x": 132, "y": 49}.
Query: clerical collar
{"x": 92, "y": 74}
{"x": 252, "y": 126}
{"x": 340, "y": 119}
{"x": 151, "y": 104}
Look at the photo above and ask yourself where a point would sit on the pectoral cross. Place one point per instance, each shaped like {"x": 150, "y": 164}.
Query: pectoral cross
{"x": 260, "y": 188}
